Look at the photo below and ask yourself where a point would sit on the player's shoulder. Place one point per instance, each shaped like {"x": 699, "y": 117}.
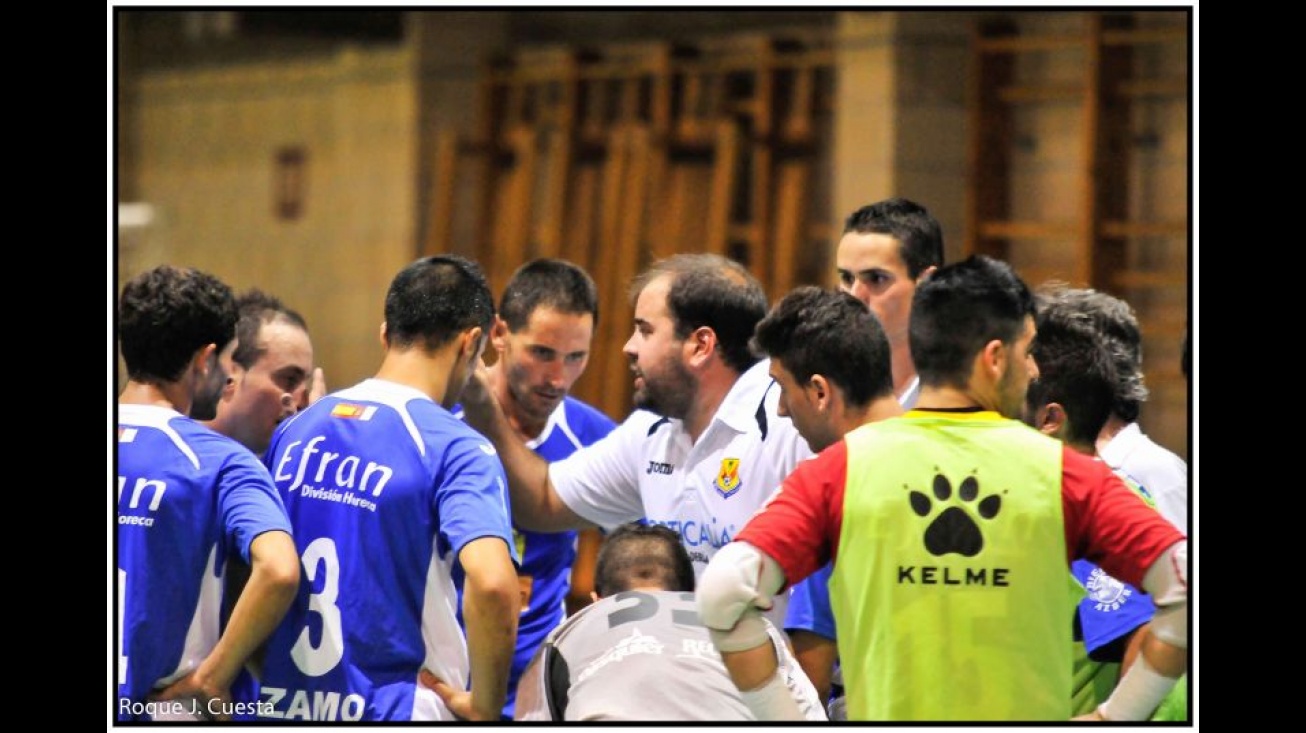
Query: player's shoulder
{"x": 441, "y": 427}
{"x": 560, "y": 634}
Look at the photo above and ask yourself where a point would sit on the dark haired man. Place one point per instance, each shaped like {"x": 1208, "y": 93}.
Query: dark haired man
{"x": 547, "y": 316}
{"x": 708, "y": 445}
{"x": 1122, "y": 442}
{"x": 951, "y": 529}
{"x": 639, "y": 652}
{"x": 187, "y": 496}
{"x": 887, "y": 249}
{"x": 1070, "y": 400}
{"x": 830, "y": 357}
{"x": 386, "y": 490}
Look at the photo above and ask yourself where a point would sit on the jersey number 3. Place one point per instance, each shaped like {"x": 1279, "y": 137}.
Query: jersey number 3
{"x": 316, "y": 661}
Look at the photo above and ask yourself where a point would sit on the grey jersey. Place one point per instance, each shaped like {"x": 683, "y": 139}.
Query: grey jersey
{"x": 642, "y": 655}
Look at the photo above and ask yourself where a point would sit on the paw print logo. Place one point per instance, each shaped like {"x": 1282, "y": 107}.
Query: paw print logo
{"x": 954, "y": 529}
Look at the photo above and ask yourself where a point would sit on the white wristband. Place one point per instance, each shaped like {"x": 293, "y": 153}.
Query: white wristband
{"x": 773, "y": 701}
{"x": 1139, "y": 693}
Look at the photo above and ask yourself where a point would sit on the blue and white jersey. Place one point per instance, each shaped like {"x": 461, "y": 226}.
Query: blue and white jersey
{"x": 547, "y": 557}
{"x": 186, "y": 497}
{"x": 809, "y": 610}
{"x": 384, "y": 488}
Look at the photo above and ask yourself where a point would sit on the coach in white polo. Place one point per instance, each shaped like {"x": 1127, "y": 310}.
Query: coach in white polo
{"x": 707, "y": 446}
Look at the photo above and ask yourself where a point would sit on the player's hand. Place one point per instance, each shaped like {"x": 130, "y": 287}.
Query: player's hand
{"x": 317, "y": 388}
{"x": 477, "y": 400}
{"x": 1089, "y": 717}
{"x": 207, "y": 696}
{"x": 459, "y": 702}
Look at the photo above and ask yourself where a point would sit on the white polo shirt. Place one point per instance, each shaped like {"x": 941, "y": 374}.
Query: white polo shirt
{"x": 1160, "y": 472}
{"x": 706, "y": 492}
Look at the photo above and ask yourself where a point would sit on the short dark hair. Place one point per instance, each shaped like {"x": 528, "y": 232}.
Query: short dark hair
{"x": 814, "y": 331}
{"x": 1114, "y": 319}
{"x": 713, "y": 291}
{"x": 257, "y": 308}
{"x": 635, "y": 554}
{"x": 1075, "y": 368}
{"x": 959, "y": 309}
{"x": 434, "y": 299}
{"x": 919, "y": 235}
{"x": 167, "y": 314}
{"x": 556, "y": 284}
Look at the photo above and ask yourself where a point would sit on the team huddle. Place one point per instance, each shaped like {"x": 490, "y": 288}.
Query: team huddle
{"x": 923, "y": 496}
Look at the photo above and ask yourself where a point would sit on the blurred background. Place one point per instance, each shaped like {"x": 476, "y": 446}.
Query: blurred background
{"x": 314, "y": 152}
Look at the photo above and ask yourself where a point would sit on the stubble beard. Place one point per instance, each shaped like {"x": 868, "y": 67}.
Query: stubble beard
{"x": 670, "y": 396}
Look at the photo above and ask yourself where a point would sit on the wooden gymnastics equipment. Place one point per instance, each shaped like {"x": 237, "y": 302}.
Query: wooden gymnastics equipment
{"x": 615, "y": 156}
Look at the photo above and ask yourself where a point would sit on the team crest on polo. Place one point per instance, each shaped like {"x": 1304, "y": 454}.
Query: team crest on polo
{"x": 727, "y": 479}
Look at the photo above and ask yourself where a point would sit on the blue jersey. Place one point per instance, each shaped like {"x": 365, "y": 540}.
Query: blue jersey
{"x": 1112, "y": 607}
{"x": 384, "y": 488}
{"x": 186, "y": 497}
{"x": 809, "y": 610}
{"x": 547, "y": 557}
{"x": 809, "y": 605}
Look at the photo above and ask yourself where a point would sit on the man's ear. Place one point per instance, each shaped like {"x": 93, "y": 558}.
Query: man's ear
{"x": 925, "y": 274}
{"x": 993, "y": 359}
{"x": 822, "y": 391}
{"x": 1051, "y": 419}
{"x": 205, "y": 358}
{"x": 229, "y": 387}
{"x": 472, "y": 343}
{"x": 701, "y": 344}
{"x": 385, "y": 340}
{"x": 499, "y": 333}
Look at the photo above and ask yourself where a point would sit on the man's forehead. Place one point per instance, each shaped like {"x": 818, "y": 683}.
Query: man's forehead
{"x": 866, "y": 250}
{"x": 284, "y": 342}
{"x": 778, "y": 371}
{"x": 548, "y": 316}
{"x": 652, "y": 299}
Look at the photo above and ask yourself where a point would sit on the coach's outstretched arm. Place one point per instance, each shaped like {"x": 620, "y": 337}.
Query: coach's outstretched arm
{"x": 736, "y": 587}
{"x": 1164, "y": 650}
{"x": 536, "y": 505}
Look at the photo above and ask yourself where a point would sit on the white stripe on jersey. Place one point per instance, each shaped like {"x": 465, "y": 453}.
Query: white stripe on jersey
{"x": 446, "y": 648}
{"x": 149, "y": 416}
{"x": 558, "y": 419}
{"x": 202, "y": 635}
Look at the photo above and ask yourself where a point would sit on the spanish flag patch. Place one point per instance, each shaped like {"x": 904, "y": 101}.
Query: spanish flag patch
{"x": 353, "y": 412}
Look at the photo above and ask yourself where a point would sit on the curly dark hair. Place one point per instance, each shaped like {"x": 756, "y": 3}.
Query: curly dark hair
{"x": 167, "y": 314}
